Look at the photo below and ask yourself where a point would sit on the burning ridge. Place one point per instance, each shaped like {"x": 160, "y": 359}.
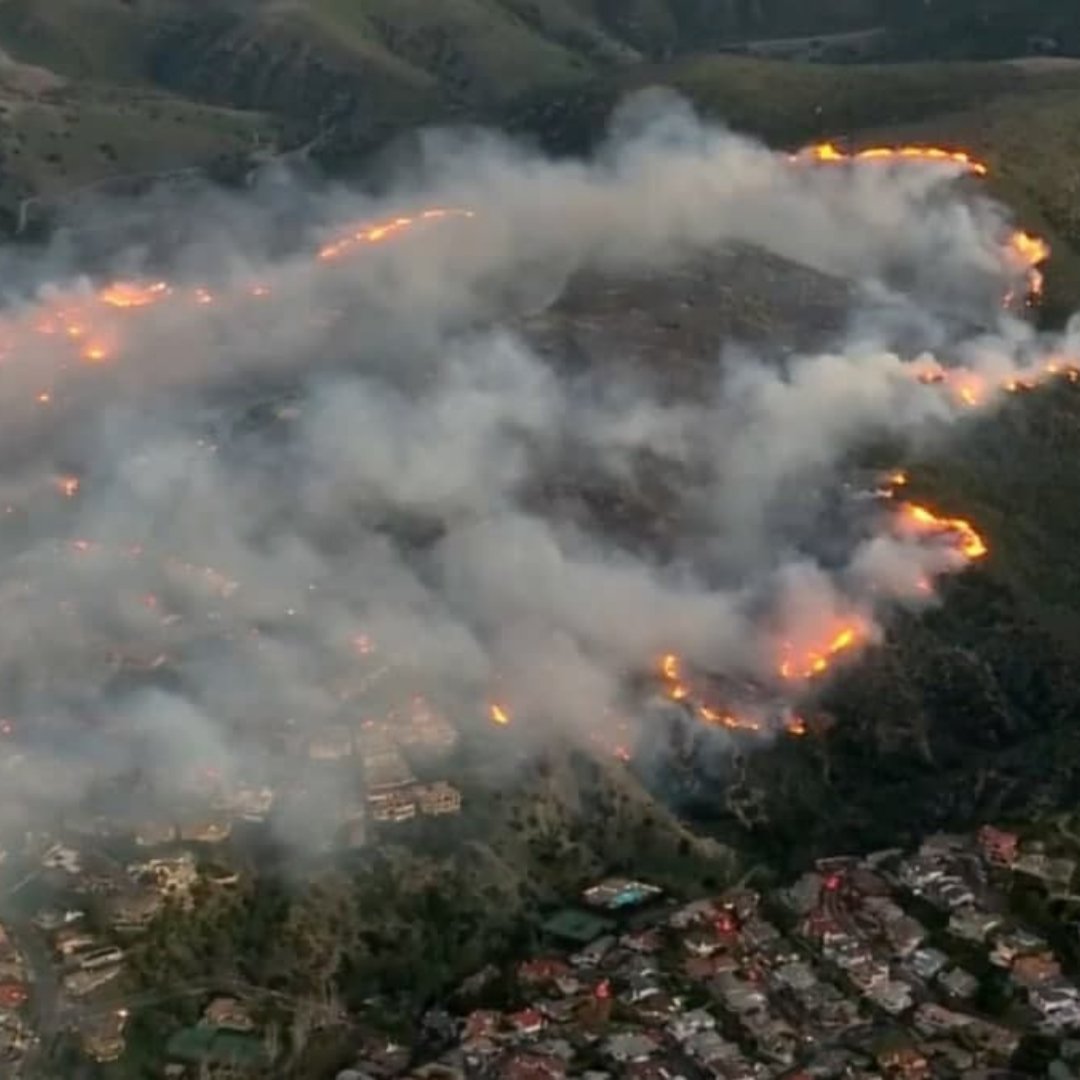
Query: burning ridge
{"x": 265, "y": 580}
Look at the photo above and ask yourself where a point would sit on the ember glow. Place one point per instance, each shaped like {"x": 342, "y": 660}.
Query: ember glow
{"x": 499, "y": 715}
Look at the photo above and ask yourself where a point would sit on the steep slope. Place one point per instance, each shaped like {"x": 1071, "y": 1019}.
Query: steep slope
{"x": 966, "y": 713}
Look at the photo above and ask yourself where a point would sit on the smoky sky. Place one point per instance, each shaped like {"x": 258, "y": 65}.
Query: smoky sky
{"x": 317, "y": 452}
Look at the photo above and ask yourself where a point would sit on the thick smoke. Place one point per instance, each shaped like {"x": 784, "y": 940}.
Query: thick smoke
{"x": 217, "y": 591}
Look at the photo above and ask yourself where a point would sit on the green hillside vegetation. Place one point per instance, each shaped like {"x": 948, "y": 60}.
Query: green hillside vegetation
{"x": 965, "y": 713}
{"x": 409, "y": 920}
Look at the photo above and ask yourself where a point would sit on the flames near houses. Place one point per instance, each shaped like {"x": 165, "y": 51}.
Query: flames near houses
{"x": 308, "y": 604}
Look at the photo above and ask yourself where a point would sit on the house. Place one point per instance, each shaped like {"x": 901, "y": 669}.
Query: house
{"x": 702, "y": 941}
{"x": 438, "y": 799}
{"x": 526, "y": 1022}
{"x": 993, "y": 1039}
{"x": 1013, "y": 943}
{"x": 207, "y": 831}
{"x": 1053, "y": 872}
{"x": 918, "y": 872}
{"x": 71, "y": 940}
{"x": 155, "y": 833}
{"x": 81, "y": 983}
{"x": 971, "y": 924}
{"x": 869, "y": 974}
{"x": 998, "y": 846}
{"x": 645, "y": 941}
{"x": 594, "y": 952}
{"x": 892, "y": 995}
{"x": 103, "y": 1039}
{"x": 1038, "y": 970}
{"x": 629, "y": 1046}
{"x": 653, "y": 1070}
{"x": 228, "y": 1014}
{"x": 950, "y": 892}
{"x": 61, "y": 857}
{"x": 640, "y": 987}
{"x": 958, "y": 983}
{"x": 251, "y": 803}
{"x": 756, "y": 933}
{"x": 905, "y": 1061}
{"x": 804, "y": 895}
{"x": 684, "y": 1025}
{"x": 173, "y": 876}
{"x": 392, "y": 806}
{"x": 905, "y": 934}
{"x": 708, "y": 1047}
{"x": 741, "y": 997}
{"x": 798, "y": 976}
{"x": 136, "y": 909}
{"x": 481, "y": 1024}
{"x": 523, "y": 1066}
{"x": 931, "y": 1019}
{"x": 697, "y": 911}
{"x": 542, "y": 970}
{"x": 927, "y": 962}
{"x": 705, "y": 968}
{"x": 883, "y": 910}
{"x": 1055, "y": 997}
{"x": 331, "y": 744}
{"x": 51, "y": 919}
{"x": 619, "y": 894}
{"x": 657, "y": 1008}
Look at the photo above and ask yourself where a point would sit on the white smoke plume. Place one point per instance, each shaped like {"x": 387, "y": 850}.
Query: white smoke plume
{"x": 211, "y": 598}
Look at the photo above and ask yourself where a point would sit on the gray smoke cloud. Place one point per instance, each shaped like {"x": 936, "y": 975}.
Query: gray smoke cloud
{"x": 218, "y": 592}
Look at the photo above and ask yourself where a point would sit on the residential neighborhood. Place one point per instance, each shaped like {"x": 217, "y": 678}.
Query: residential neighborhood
{"x": 917, "y": 963}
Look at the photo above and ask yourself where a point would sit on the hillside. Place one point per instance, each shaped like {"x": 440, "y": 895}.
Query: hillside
{"x": 411, "y": 919}
{"x": 966, "y": 713}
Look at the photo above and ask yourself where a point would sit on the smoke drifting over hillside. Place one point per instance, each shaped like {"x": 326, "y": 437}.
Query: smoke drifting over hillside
{"x": 187, "y": 591}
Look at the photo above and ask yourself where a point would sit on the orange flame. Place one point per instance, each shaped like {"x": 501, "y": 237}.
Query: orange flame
{"x": 925, "y": 522}
{"x": 671, "y": 670}
{"x": 376, "y": 233}
{"x": 829, "y": 153}
{"x": 715, "y": 718}
{"x": 815, "y": 661}
{"x": 499, "y": 715}
{"x": 130, "y": 294}
{"x": 1029, "y": 252}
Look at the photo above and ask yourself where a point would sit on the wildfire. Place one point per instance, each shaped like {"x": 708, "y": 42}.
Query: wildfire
{"x": 796, "y": 726}
{"x": 924, "y": 522}
{"x": 715, "y": 718}
{"x": 1029, "y": 252}
{"x": 499, "y": 715}
{"x": 130, "y": 294}
{"x": 829, "y": 153}
{"x": 671, "y": 670}
{"x": 677, "y": 689}
{"x": 815, "y": 661}
{"x": 384, "y": 230}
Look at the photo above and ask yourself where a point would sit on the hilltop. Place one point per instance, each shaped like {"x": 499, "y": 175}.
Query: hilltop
{"x": 92, "y": 89}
